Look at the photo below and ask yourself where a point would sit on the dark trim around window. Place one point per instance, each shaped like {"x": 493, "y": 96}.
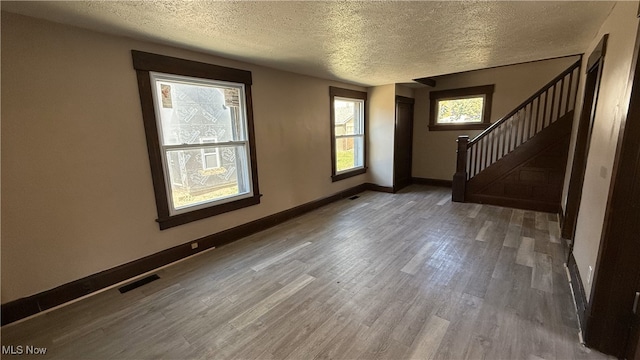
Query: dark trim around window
{"x": 434, "y": 96}
{"x": 353, "y": 94}
{"x": 143, "y": 63}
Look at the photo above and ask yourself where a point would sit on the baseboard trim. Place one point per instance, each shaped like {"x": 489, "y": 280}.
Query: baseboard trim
{"x": 561, "y": 216}
{"x": 379, "y": 188}
{"x": 566, "y": 243}
{"x": 32, "y": 305}
{"x": 432, "y": 182}
{"x": 512, "y": 203}
{"x": 577, "y": 289}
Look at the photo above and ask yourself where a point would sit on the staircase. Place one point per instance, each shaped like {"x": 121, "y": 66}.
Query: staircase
{"x": 520, "y": 160}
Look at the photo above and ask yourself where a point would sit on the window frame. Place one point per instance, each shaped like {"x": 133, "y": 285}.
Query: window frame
{"x": 461, "y": 93}
{"x": 144, "y": 63}
{"x": 336, "y": 92}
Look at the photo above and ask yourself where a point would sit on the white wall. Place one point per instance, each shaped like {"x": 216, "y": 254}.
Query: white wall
{"x": 77, "y": 196}
{"x": 434, "y": 152}
{"x": 613, "y": 102}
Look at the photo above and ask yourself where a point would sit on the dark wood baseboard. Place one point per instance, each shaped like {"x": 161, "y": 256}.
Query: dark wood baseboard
{"x": 379, "y": 188}
{"x": 432, "y": 182}
{"x": 566, "y": 243}
{"x": 524, "y": 204}
{"x": 578, "y": 291}
{"x": 24, "y": 307}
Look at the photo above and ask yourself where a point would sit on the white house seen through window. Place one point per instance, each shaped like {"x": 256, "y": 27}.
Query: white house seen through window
{"x": 203, "y": 138}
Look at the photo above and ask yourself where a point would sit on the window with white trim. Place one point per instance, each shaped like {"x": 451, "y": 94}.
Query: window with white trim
{"x": 201, "y": 120}
{"x": 347, "y": 132}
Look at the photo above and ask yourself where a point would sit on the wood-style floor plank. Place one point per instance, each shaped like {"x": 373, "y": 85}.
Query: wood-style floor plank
{"x": 483, "y": 233}
{"x": 278, "y": 257}
{"x": 417, "y": 260}
{"x": 242, "y": 320}
{"x": 429, "y": 339}
{"x": 526, "y": 254}
{"x": 384, "y": 276}
{"x": 542, "y": 275}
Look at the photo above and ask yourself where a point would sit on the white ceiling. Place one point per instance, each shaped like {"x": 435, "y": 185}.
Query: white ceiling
{"x": 367, "y": 43}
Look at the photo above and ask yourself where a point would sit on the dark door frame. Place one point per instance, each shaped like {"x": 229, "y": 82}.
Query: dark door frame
{"x": 583, "y": 139}
{"x": 611, "y": 326}
{"x": 397, "y": 185}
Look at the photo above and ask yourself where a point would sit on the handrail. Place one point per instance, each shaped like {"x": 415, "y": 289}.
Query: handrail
{"x": 525, "y": 103}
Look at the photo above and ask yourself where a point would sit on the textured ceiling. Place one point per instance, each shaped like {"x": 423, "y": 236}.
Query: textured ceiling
{"x": 367, "y": 43}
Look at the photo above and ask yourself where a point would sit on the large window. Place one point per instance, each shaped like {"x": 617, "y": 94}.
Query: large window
{"x": 347, "y": 133}
{"x": 199, "y": 129}
{"x": 461, "y": 109}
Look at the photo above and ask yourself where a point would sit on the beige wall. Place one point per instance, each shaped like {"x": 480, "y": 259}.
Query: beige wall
{"x": 405, "y": 91}
{"x": 381, "y": 105}
{"x": 434, "y": 152}
{"x": 77, "y": 196}
{"x": 613, "y": 101}
{"x": 381, "y": 131}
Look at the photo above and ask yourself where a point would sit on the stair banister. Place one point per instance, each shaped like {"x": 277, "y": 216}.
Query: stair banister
{"x": 520, "y": 125}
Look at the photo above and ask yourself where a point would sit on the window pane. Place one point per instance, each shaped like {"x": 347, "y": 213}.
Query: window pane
{"x": 348, "y": 116}
{"x": 455, "y": 111}
{"x": 203, "y": 175}
{"x": 190, "y": 111}
{"x": 349, "y": 153}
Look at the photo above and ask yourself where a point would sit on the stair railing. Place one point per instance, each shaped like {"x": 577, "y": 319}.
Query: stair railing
{"x": 540, "y": 110}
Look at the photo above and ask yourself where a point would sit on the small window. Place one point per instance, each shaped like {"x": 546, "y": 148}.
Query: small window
{"x": 347, "y": 133}
{"x": 461, "y": 109}
{"x": 199, "y": 127}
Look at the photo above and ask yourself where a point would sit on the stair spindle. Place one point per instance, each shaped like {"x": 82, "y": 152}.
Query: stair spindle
{"x": 538, "y": 99}
{"x": 503, "y": 130}
{"x": 553, "y": 101}
{"x": 478, "y": 157}
{"x": 527, "y": 122}
{"x": 560, "y": 98}
{"x": 569, "y": 90}
{"x": 520, "y": 129}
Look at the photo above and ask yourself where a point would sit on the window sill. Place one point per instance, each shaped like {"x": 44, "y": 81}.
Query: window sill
{"x": 179, "y": 219}
{"x": 349, "y": 174}
{"x": 455, "y": 127}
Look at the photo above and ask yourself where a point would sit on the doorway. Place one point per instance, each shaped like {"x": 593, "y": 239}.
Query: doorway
{"x": 613, "y": 320}
{"x": 403, "y": 143}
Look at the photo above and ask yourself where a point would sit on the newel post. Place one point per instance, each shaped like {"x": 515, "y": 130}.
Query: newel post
{"x": 460, "y": 177}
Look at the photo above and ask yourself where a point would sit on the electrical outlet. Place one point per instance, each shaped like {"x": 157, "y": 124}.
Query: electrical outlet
{"x": 590, "y": 275}
{"x": 194, "y": 245}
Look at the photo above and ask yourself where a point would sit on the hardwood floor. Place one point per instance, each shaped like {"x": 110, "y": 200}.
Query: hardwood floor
{"x": 390, "y": 276}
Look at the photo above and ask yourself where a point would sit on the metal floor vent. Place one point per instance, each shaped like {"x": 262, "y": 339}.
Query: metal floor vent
{"x": 137, "y": 284}
{"x": 354, "y": 197}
